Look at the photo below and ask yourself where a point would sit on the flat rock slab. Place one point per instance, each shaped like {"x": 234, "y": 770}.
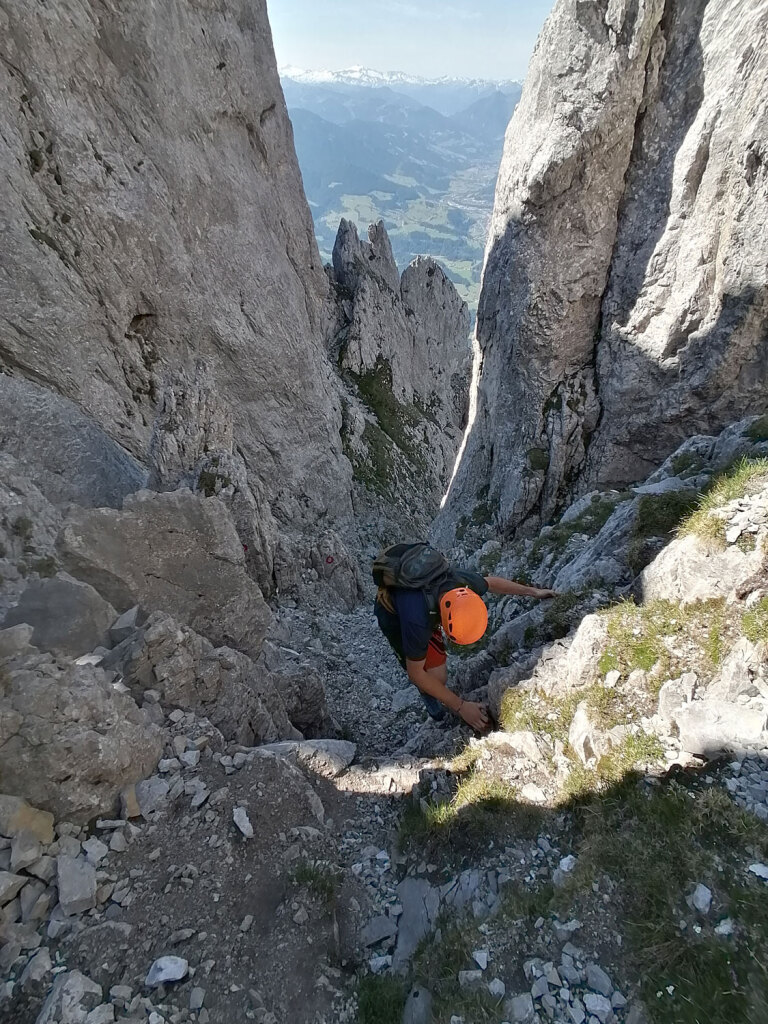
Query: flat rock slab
{"x": 77, "y": 884}
{"x": 176, "y": 552}
{"x": 67, "y": 615}
{"x": 72, "y": 997}
{"x": 377, "y": 929}
{"x": 326, "y": 757}
{"x": 421, "y": 904}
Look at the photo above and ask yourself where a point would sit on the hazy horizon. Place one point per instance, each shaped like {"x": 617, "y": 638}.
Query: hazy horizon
{"x": 489, "y": 39}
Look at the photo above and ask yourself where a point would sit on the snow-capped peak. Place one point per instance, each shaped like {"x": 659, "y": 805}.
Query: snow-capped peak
{"x": 358, "y": 75}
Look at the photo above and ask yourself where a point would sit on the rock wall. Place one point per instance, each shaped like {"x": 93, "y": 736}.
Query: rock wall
{"x": 401, "y": 345}
{"x": 153, "y": 214}
{"x": 625, "y": 292}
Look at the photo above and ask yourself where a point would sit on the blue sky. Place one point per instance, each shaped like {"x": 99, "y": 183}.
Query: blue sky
{"x": 480, "y": 38}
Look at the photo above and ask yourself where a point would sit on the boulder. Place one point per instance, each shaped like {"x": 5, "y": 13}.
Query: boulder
{"x": 325, "y": 757}
{"x": 691, "y": 569}
{"x": 17, "y": 818}
{"x": 710, "y": 728}
{"x": 744, "y": 672}
{"x": 221, "y": 684}
{"x": 68, "y": 616}
{"x": 590, "y": 742}
{"x": 71, "y": 999}
{"x": 571, "y": 664}
{"x": 177, "y": 552}
{"x": 69, "y": 742}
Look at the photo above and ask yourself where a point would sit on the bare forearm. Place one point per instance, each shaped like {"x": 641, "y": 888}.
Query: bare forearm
{"x": 428, "y": 684}
{"x": 498, "y": 585}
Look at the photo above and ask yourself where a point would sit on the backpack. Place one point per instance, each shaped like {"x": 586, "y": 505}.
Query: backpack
{"x": 412, "y": 567}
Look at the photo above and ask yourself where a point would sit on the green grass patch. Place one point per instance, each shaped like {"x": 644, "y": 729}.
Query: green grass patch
{"x": 437, "y": 964}
{"x": 380, "y": 1000}
{"x": 590, "y": 522}
{"x": 318, "y": 878}
{"x": 687, "y": 464}
{"x": 560, "y": 616}
{"x": 482, "y": 807}
{"x": 638, "y": 637}
{"x": 758, "y": 431}
{"x": 45, "y": 567}
{"x": 755, "y": 622}
{"x": 744, "y": 478}
{"x": 658, "y": 516}
{"x": 522, "y": 710}
{"x": 655, "y": 845}
{"x": 22, "y": 528}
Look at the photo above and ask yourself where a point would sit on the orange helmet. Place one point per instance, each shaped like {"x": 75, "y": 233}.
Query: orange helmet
{"x": 463, "y": 615}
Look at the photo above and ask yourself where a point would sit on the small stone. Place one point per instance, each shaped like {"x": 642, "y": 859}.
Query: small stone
{"x": 77, "y": 884}
{"x": 240, "y": 818}
{"x": 95, "y": 851}
{"x": 124, "y": 626}
{"x": 470, "y": 979}
{"x": 104, "y": 1014}
{"x": 129, "y": 804}
{"x": 10, "y": 886}
{"x": 379, "y": 964}
{"x": 301, "y": 916}
{"x": 168, "y": 764}
{"x": 44, "y": 868}
{"x": 540, "y": 988}
{"x": 196, "y": 998}
{"x": 725, "y": 927}
{"x": 179, "y": 744}
{"x": 618, "y": 1001}
{"x": 598, "y": 980}
{"x": 520, "y": 1009}
{"x": 190, "y": 758}
{"x": 761, "y": 870}
{"x": 599, "y": 1006}
{"x": 165, "y": 969}
{"x": 118, "y": 843}
{"x": 497, "y": 988}
{"x": 480, "y": 956}
{"x": 121, "y": 994}
{"x": 576, "y": 1013}
{"x": 701, "y": 899}
{"x": 246, "y": 923}
{"x": 533, "y": 794}
{"x": 25, "y": 850}
{"x": 38, "y": 968}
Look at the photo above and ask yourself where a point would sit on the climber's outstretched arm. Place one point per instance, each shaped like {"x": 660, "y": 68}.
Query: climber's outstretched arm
{"x": 498, "y": 585}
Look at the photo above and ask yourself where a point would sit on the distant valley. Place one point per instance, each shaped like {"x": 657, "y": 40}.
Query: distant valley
{"x": 421, "y": 155}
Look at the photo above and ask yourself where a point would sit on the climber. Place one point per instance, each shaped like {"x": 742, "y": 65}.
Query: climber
{"x": 420, "y": 597}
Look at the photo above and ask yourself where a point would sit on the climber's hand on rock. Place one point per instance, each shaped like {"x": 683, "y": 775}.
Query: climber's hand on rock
{"x": 543, "y": 595}
{"x": 475, "y": 715}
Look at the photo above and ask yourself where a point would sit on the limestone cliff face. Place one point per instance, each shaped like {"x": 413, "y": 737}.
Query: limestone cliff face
{"x": 153, "y": 214}
{"x": 625, "y": 292}
{"x": 401, "y": 346}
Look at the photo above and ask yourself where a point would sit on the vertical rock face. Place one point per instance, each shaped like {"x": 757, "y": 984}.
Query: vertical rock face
{"x": 684, "y": 342}
{"x": 402, "y": 348}
{"x": 624, "y": 303}
{"x": 153, "y": 214}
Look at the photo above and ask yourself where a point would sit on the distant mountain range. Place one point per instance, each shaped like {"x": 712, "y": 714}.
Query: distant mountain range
{"x": 420, "y": 154}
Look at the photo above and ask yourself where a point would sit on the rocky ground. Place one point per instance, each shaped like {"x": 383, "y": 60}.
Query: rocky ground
{"x": 602, "y": 858}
